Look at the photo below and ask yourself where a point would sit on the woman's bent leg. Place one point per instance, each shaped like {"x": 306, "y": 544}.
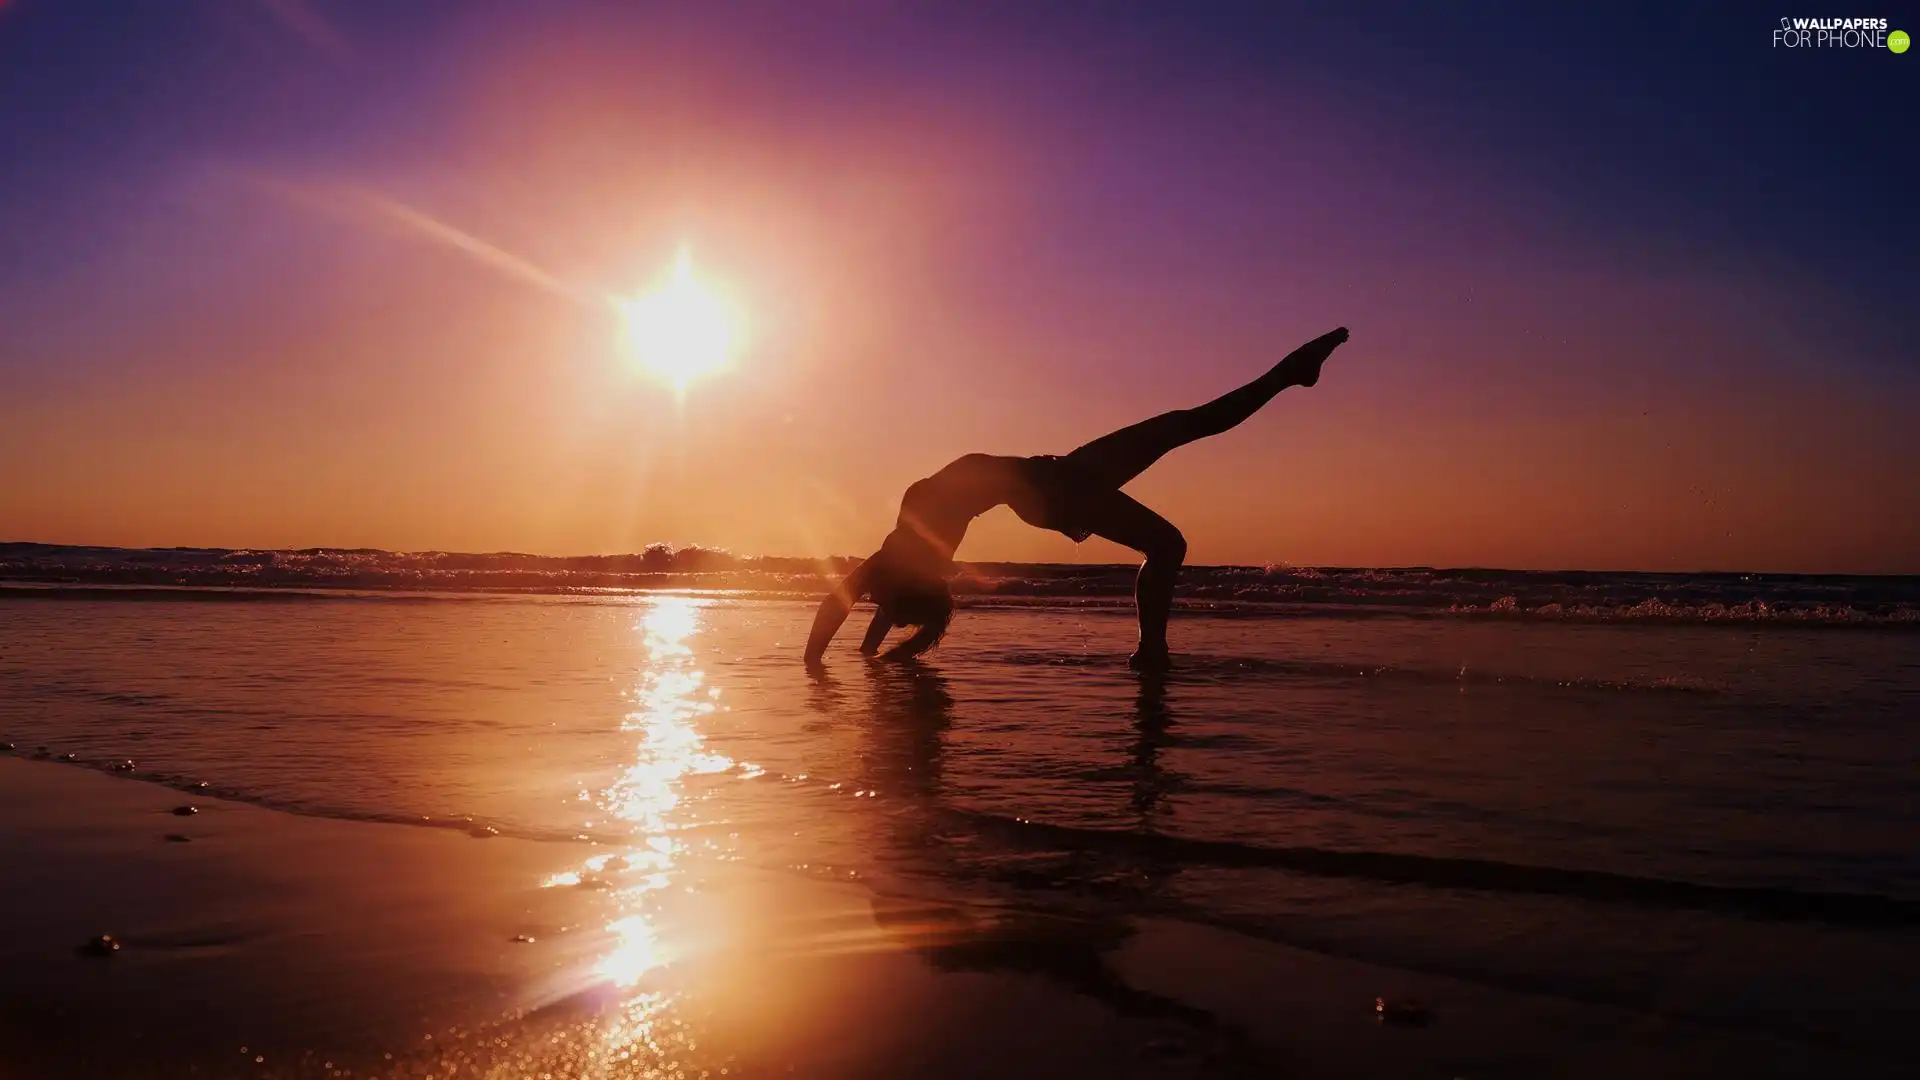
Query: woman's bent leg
{"x": 1123, "y": 520}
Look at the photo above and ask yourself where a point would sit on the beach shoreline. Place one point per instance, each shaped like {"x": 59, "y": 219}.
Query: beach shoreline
{"x": 274, "y": 944}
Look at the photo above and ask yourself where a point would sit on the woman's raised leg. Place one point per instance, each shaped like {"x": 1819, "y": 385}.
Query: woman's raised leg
{"x": 1113, "y": 460}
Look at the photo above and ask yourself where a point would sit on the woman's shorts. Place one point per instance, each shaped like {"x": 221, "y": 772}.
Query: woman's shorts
{"x": 1055, "y": 496}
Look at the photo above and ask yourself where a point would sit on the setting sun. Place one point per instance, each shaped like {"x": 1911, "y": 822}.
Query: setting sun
{"x": 683, "y": 329}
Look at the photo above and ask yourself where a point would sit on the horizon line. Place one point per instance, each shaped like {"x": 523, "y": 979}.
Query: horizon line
{"x": 704, "y": 549}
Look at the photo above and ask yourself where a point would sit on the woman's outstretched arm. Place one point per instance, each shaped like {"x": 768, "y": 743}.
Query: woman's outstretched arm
{"x": 834, "y": 610}
{"x": 876, "y": 632}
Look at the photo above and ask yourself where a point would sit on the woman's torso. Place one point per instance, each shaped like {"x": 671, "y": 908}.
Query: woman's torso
{"x": 939, "y": 508}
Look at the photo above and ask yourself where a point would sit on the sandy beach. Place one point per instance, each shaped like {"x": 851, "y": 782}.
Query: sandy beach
{"x": 268, "y": 944}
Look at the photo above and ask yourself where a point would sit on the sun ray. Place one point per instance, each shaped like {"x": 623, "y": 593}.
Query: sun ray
{"x": 480, "y": 250}
{"x": 375, "y": 208}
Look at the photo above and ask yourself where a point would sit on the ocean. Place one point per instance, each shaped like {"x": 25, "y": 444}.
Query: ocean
{"x": 1686, "y": 796}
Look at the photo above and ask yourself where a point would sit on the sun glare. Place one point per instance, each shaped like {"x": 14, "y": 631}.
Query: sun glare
{"x": 682, "y": 330}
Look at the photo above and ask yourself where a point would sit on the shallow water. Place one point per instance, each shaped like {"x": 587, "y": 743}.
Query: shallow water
{"x": 1710, "y": 821}
{"x": 1883, "y": 602}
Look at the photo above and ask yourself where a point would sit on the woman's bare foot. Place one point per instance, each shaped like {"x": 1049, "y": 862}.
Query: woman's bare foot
{"x": 1145, "y": 659}
{"x": 1303, "y": 365}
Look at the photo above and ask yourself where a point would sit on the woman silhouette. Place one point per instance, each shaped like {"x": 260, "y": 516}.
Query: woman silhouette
{"x": 1078, "y": 495}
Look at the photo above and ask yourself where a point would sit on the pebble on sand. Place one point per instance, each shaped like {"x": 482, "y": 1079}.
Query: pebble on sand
{"x": 69, "y": 756}
{"x": 7, "y": 747}
{"x": 1402, "y": 1012}
{"x": 123, "y": 766}
{"x": 104, "y": 945}
{"x": 523, "y": 939}
{"x": 1164, "y": 1048}
{"x": 185, "y": 811}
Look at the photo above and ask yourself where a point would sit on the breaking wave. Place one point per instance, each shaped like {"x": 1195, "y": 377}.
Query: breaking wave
{"x": 1227, "y": 591}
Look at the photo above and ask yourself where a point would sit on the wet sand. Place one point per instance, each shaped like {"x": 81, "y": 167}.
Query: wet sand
{"x": 269, "y": 944}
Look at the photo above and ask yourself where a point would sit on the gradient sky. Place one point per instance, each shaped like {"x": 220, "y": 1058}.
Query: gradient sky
{"x": 1628, "y": 289}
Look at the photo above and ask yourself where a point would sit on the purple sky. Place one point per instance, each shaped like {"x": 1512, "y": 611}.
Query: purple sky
{"x": 1627, "y": 290}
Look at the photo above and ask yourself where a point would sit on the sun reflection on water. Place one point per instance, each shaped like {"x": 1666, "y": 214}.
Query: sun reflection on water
{"x": 648, "y": 794}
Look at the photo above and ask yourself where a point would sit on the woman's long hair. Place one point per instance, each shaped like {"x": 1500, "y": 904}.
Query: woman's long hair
{"x": 911, "y": 598}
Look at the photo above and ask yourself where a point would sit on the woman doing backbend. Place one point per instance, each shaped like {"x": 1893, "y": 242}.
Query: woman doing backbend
{"x": 1078, "y": 495}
